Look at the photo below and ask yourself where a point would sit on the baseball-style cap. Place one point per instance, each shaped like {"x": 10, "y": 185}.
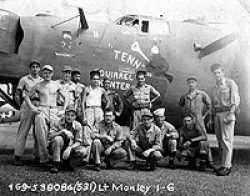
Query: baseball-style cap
{"x": 147, "y": 113}
{"x": 192, "y": 78}
{"x": 159, "y": 112}
{"x": 34, "y": 61}
{"x": 48, "y": 67}
{"x": 70, "y": 108}
{"x": 67, "y": 68}
{"x": 76, "y": 71}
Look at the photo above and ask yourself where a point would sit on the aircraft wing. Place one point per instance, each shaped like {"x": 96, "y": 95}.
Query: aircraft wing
{"x": 217, "y": 45}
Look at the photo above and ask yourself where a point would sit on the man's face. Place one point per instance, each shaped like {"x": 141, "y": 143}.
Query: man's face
{"x": 34, "y": 69}
{"x": 147, "y": 121}
{"x": 76, "y": 78}
{"x": 219, "y": 74}
{"x": 192, "y": 84}
{"x": 159, "y": 119}
{"x": 108, "y": 117}
{"x": 95, "y": 80}
{"x": 188, "y": 122}
{"x": 140, "y": 79}
{"x": 67, "y": 75}
{"x": 47, "y": 74}
{"x": 106, "y": 84}
{"x": 70, "y": 116}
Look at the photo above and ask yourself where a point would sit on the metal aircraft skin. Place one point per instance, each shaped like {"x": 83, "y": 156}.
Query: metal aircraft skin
{"x": 170, "y": 52}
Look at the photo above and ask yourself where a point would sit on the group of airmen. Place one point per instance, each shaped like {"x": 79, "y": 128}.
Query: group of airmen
{"x": 70, "y": 120}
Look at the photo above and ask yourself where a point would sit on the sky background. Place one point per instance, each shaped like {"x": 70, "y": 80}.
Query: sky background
{"x": 109, "y": 10}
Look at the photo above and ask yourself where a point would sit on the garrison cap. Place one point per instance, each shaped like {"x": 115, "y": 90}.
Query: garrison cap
{"x": 48, "y": 67}
{"x": 192, "y": 78}
{"x": 147, "y": 113}
{"x": 159, "y": 112}
{"x": 76, "y": 71}
{"x": 94, "y": 72}
{"x": 70, "y": 108}
{"x": 67, "y": 68}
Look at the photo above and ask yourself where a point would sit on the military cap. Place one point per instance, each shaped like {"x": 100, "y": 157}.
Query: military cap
{"x": 76, "y": 71}
{"x": 34, "y": 62}
{"x": 215, "y": 67}
{"x": 159, "y": 112}
{"x": 147, "y": 113}
{"x": 70, "y": 108}
{"x": 192, "y": 78}
{"x": 48, "y": 67}
{"x": 67, "y": 68}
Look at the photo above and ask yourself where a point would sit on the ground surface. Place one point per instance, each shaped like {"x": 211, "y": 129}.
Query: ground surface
{"x": 184, "y": 181}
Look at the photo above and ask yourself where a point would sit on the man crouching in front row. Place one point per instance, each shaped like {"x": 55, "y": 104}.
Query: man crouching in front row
{"x": 107, "y": 141}
{"x": 145, "y": 142}
{"x": 193, "y": 143}
{"x": 66, "y": 141}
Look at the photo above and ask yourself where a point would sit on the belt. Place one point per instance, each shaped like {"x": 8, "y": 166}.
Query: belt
{"x": 222, "y": 109}
{"x": 140, "y": 108}
{"x": 93, "y": 106}
{"x": 48, "y": 106}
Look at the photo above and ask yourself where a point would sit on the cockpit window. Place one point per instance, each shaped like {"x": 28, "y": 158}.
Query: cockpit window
{"x": 151, "y": 26}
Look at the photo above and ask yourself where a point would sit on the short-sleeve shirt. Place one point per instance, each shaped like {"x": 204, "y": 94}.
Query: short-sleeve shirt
{"x": 168, "y": 128}
{"x": 140, "y": 97}
{"x": 75, "y": 128}
{"x": 147, "y": 138}
{"x": 225, "y": 94}
{"x": 187, "y": 134}
{"x": 27, "y": 82}
{"x": 198, "y": 102}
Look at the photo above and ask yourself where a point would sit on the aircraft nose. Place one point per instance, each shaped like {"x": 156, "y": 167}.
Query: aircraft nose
{"x": 11, "y": 33}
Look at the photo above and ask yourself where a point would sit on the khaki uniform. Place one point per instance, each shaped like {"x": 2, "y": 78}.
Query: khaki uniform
{"x": 148, "y": 141}
{"x": 26, "y": 116}
{"x": 199, "y": 147}
{"x": 101, "y": 144}
{"x": 140, "y": 100}
{"x": 198, "y": 103}
{"x": 44, "y": 121}
{"x": 59, "y": 143}
{"x": 224, "y": 95}
{"x": 169, "y": 145}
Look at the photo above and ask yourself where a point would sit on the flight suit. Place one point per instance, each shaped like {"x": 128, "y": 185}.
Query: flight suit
{"x": 101, "y": 144}
{"x": 140, "y": 100}
{"x": 59, "y": 143}
{"x": 224, "y": 95}
{"x": 148, "y": 142}
{"x": 27, "y": 117}
{"x": 198, "y": 103}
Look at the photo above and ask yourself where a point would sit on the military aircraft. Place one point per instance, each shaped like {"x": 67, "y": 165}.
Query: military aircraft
{"x": 170, "y": 51}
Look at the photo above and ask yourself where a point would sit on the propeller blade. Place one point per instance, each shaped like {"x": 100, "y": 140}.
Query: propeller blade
{"x": 217, "y": 45}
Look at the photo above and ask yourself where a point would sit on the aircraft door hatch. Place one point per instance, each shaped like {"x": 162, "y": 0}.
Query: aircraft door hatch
{"x": 11, "y": 33}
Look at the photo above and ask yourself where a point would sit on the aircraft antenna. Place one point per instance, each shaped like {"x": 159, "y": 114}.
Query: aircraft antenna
{"x": 53, "y": 26}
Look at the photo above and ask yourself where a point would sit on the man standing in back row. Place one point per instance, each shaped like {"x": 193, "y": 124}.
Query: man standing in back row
{"x": 27, "y": 116}
{"x": 46, "y": 113}
{"x": 225, "y": 100}
{"x": 139, "y": 97}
